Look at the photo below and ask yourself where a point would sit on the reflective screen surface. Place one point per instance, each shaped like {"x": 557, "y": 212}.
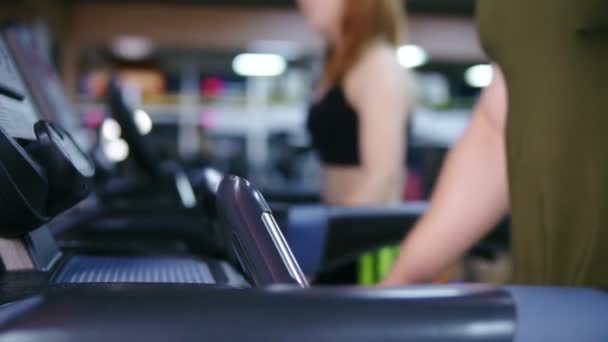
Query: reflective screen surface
{"x": 17, "y": 115}
{"x": 63, "y": 112}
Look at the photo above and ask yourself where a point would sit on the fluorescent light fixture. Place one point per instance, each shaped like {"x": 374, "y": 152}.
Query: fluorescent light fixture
{"x": 116, "y": 150}
{"x": 110, "y": 129}
{"x": 412, "y": 56}
{"x": 288, "y": 49}
{"x": 259, "y": 65}
{"x": 479, "y": 76}
{"x": 143, "y": 122}
{"x": 132, "y": 48}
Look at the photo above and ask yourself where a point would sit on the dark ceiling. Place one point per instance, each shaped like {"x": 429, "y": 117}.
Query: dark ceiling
{"x": 443, "y": 7}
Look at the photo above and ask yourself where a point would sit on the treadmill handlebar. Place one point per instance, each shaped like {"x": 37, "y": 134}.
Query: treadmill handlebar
{"x": 421, "y": 314}
{"x": 405, "y": 209}
{"x": 254, "y": 236}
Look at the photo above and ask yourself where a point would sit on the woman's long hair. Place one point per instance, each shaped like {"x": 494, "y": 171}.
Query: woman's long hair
{"x": 362, "y": 21}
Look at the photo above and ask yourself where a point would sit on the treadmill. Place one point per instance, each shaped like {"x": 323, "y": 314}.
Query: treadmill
{"x": 283, "y": 307}
{"x": 43, "y": 173}
{"x": 166, "y": 223}
{"x": 38, "y": 305}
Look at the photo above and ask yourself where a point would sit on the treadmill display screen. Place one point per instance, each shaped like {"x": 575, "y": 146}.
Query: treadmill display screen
{"x": 64, "y": 110}
{"x": 47, "y": 79}
{"x": 17, "y": 115}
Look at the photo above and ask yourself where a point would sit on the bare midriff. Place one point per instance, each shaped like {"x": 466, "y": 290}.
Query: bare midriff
{"x": 340, "y": 185}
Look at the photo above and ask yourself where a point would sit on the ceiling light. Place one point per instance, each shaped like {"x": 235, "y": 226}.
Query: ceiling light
{"x": 412, "y": 56}
{"x": 132, "y": 48}
{"x": 259, "y": 65}
{"x": 479, "y": 76}
{"x": 288, "y": 49}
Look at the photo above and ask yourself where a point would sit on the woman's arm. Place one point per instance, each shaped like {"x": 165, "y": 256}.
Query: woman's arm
{"x": 380, "y": 92}
{"x": 470, "y": 198}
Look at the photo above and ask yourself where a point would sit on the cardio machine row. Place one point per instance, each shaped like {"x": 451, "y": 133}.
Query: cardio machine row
{"x": 106, "y": 294}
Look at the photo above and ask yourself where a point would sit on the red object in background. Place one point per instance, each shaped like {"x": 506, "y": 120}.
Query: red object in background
{"x": 211, "y": 87}
{"x": 413, "y": 190}
{"x": 92, "y": 117}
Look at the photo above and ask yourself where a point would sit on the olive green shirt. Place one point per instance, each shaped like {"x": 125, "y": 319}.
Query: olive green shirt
{"x": 554, "y": 55}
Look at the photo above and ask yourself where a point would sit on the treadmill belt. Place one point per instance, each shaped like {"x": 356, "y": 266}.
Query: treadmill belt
{"x": 98, "y": 269}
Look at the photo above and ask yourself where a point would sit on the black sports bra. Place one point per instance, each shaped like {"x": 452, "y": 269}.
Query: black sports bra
{"x": 334, "y": 127}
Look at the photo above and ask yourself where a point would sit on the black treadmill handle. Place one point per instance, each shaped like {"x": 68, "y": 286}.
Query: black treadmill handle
{"x": 179, "y": 313}
{"x": 400, "y": 210}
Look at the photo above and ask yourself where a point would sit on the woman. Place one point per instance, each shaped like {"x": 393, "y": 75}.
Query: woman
{"x": 357, "y": 120}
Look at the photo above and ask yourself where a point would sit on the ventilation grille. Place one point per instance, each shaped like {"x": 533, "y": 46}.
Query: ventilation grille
{"x": 92, "y": 269}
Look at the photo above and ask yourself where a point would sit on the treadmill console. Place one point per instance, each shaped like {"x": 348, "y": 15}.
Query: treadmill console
{"x": 43, "y": 83}
{"x": 42, "y": 171}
